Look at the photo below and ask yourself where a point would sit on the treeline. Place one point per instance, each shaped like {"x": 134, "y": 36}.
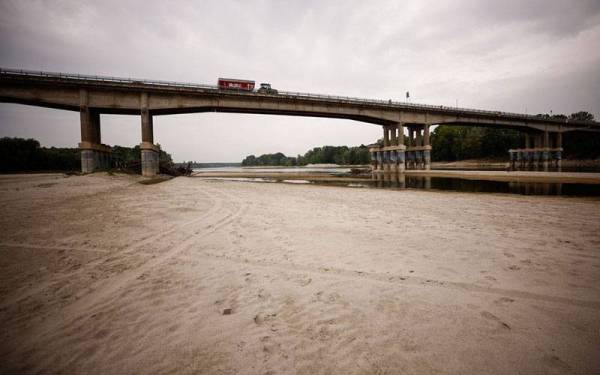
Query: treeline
{"x": 19, "y": 155}
{"x": 342, "y": 155}
{"x": 195, "y": 164}
{"x": 26, "y": 155}
{"x": 450, "y": 143}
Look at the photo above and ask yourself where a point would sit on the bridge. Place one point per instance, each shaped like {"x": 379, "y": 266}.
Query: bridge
{"x": 95, "y": 95}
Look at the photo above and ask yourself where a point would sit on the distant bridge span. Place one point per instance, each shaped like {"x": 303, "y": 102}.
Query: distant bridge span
{"x": 93, "y": 95}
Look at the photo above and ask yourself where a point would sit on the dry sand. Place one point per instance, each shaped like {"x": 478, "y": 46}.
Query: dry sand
{"x": 103, "y": 275}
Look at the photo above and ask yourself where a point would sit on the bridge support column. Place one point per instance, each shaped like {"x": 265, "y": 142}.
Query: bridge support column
{"x": 389, "y": 158}
{"x": 426, "y": 148}
{"x": 392, "y": 152}
{"x": 386, "y": 153}
{"x": 410, "y": 157}
{"x": 401, "y": 148}
{"x": 546, "y": 150}
{"x": 393, "y": 161}
{"x": 94, "y": 155}
{"x": 513, "y": 158}
{"x": 373, "y": 154}
{"x": 558, "y": 151}
{"x": 150, "y": 152}
{"x": 419, "y": 152}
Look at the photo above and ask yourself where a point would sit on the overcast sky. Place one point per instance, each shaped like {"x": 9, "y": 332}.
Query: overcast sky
{"x": 519, "y": 56}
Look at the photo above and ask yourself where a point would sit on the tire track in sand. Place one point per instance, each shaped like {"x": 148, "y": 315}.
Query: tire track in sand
{"x": 113, "y": 258}
{"x": 402, "y": 279}
{"x": 104, "y": 289}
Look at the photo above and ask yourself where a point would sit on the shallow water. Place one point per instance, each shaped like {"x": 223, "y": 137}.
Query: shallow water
{"x": 326, "y": 170}
{"x": 399, "y": 182}
{"x": 443, "y": 184}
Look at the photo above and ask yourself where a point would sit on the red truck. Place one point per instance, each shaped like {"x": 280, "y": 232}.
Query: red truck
{"x": 236, "y": 84}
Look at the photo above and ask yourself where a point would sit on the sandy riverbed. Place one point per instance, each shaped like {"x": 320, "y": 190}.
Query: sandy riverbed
{"x": 103, "y": 275}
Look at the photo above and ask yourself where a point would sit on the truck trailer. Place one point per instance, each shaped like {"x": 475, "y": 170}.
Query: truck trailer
{"x": 236, "y": 84}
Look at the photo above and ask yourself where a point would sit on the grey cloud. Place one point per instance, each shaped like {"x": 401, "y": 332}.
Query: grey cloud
{"x": 490, "y": 54}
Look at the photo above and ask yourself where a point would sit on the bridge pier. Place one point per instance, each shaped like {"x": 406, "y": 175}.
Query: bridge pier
{"x": 390, "y": 157}
{"x": 94, "y": 155}
{"x": 149, "y": 151}
{"x": 542, "y": 151}
{"x": 419, "y": 147}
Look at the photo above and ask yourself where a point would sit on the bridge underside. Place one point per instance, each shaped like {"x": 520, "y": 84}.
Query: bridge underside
{"x": 542, "y": 145}
{"x": 394, "y": 156}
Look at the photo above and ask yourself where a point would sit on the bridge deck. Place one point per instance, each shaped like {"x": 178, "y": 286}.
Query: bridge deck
{"x": 146, "y": 84}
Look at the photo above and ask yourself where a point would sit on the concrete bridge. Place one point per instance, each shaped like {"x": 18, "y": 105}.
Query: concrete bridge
{"x": 93, "y": 95}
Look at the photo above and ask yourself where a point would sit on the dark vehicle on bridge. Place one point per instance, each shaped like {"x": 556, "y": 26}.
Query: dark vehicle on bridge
{"x": 265, "y": 88}
{"x": 236, "y": 84}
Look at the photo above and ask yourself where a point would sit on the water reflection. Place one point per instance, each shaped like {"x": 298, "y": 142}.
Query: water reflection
{"x": 395, "y": 181}
{"x": 401, "y": 182}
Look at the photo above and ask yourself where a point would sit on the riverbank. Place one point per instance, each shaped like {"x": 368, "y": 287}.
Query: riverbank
{"x": 101, "y": 274}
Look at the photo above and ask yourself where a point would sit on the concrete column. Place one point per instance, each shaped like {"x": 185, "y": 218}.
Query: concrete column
{"x": 373, "y": 160}
{"x": 394, "y": 137}
{"x": 94, "y": 155}
{"x": 419, "y": 160}
{"x": 426, "y": 135}
{"x": 559, "y": 149}
{"x": 88, "y": 161}
{"x": 400, "y": 134}
{"x": 512, "y": 159}
{"x": 401, "y": 161}
{"x": 386, "y": 137}
{"x": 393, "y": 161}
{"x": 545, "y": 152}
{"x": 150, "y": 153}
{"x": 401, "y": 154}
{"x": 147, "y": 127}
{"x": 409, "y": 152}
{"x": 419, "y": 138}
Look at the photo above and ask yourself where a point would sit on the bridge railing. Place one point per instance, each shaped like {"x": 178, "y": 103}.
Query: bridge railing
{"x": 289, "y": 94}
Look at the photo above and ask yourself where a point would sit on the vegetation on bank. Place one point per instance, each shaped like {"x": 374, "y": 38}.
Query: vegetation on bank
{"x": 195, "y": 164}
{"x": 452, "y": 143}
{"x": 342, "y": 155}
{"x": 449, "y": 143}
{"x": 26, "y": 155}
